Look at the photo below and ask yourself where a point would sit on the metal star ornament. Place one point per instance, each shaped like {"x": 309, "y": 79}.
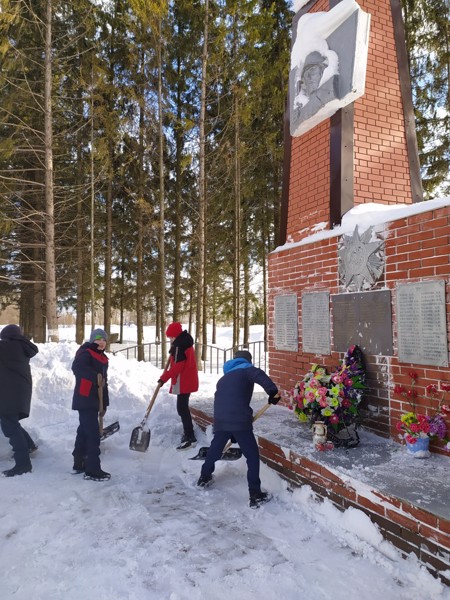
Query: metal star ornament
{"x": 361, "y": 261}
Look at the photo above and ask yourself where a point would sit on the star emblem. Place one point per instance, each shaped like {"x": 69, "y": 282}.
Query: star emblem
{"x": 361, "y": 261}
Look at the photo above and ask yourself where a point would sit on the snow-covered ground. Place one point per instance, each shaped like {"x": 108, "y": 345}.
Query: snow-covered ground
{"x": 150, "y": 534}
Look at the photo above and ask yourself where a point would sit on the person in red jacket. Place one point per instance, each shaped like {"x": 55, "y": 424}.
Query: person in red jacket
{"x": 183, "y": 373}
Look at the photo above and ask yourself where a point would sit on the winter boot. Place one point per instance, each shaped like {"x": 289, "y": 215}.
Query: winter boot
{"x": 97, "y": 475}
{"x": 187, "y": 441}
{"x": 205, "y": 481}
{"x": 17, "y": 471}
{"x": 259, "y": 498}
{"x": 78, "y": 464}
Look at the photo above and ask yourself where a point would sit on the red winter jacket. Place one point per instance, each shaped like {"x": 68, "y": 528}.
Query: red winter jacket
{"x": 182, "y": 366}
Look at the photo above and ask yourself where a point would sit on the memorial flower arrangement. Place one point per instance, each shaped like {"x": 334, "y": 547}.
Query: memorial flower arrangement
{"x": 414, "y": 425}
{"x": 332, "y": 398}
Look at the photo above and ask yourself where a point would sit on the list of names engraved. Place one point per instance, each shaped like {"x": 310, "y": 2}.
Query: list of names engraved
{"x": 316, "y": 322}
{"x": 421, "y": 323}
{"x": 286, "y": 322}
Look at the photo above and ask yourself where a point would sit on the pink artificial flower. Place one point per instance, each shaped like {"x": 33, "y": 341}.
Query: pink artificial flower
{"x": 336, "y": 379}
{"x": 346, "y": 403}
{"x": 410, "y": 439}
{"x": 334, "y": 419}
{"x": 425, "y": 427}
{"x": 415, "y": 427}
{"x": 323, "y": 403}
{"x": 322, "y": 391}
{"x": 399, "y": 425}
{"x": 314, "y": 383}
{"x": 310, "y": 396}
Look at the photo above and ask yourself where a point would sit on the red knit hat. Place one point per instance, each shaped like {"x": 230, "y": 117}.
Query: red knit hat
{"x": 174, "y": 330}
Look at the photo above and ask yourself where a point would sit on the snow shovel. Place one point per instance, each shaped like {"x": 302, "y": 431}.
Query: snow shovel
{"x": 140, "y": 436}
{"x": 228, "y": 452}
{"x": 105, "y": 432}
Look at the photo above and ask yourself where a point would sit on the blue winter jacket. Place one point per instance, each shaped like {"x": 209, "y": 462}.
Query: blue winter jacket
{"x": 88, "y": 363}
{"x": 232, "y": 411}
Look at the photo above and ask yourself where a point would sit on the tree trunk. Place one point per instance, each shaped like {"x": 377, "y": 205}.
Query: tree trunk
{"x": 237, "y": 225}
{"x": 162, "y": 266}
{"x": 202, "y": 200}
{"x": 50, "y": 263}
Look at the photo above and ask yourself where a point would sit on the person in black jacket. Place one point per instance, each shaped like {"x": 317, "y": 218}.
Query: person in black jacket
{"x": 15, "y": 399}
{"x": 233, "y": 419}
{"x": 90, "y": 361}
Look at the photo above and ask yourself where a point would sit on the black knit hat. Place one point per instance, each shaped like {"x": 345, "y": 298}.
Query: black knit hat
{"x": 243, "y": 354}
{"x": 10, "y": 332}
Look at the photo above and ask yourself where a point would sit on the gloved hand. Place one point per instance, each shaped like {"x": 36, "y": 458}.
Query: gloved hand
{"x": 274, "y": 398}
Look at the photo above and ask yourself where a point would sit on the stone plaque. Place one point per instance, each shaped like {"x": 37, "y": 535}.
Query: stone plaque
{"x": 364, "y": 319}
{"x": 316, "y": 322}
{"x": 286, "y": 322}
{"x": 421, "y": 323}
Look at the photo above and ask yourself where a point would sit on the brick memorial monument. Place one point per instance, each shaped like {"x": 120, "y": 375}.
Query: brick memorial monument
{"x": 345, "y": 273}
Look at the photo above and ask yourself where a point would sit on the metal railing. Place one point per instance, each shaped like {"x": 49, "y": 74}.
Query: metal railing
{"x": 214, "y": 357}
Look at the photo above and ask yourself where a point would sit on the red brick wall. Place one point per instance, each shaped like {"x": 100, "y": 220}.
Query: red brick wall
{"x": 381, "y": 161}
{"x": 417, "y": 249}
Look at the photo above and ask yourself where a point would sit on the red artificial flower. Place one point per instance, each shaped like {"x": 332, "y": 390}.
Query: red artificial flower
{"x": 413, "y": 375}
{"x": 411, "y": 394}
{"x": 432, "y": 389}
{"x": 445, "y": 386}
{"x": 399, "y": 389}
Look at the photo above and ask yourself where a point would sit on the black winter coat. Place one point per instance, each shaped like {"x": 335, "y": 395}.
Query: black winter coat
{"x": 88, "y": 363}
{"x": 15, "y": 376}
{"x": 232, "y": 411}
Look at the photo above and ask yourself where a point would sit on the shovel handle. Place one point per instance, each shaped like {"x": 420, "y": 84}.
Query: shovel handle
{"x": 100, "y": 402}
{"x": 155, "y": 393}
{"x": 260, "y": 412}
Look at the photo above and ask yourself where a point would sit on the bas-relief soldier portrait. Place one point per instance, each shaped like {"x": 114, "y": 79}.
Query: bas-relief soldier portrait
{"x": 328, "y": 63}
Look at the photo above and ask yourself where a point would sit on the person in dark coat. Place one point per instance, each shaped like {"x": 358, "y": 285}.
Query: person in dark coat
{"x": 90, "y": 361}
{"x": 233, "y": 420}
{"x": 15, "y": 399}
{"x": 183, "y": 373}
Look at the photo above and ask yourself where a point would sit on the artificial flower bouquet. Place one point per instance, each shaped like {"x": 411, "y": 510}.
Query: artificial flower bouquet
{"x": 332, "y": 398}
{"x": 413, "y": 425}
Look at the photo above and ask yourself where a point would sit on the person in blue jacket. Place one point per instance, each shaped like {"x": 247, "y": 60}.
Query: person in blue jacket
{"x": 233, "y": 420}
{"x": 90, "y": 361}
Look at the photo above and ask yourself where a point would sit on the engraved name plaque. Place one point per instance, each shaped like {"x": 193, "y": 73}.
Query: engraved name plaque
{"x": 422, "y": 327}
{"x": 286, "y": 322}
{"x": 316, "y": 322}
{"x": 364, "y": 319}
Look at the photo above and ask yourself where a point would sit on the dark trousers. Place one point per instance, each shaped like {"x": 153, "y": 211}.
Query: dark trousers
{"x": 19, "y": 439}
{"x": 185, "y": 414}
{"x": 249, "y": 447}
{"x": 87, "y": 441}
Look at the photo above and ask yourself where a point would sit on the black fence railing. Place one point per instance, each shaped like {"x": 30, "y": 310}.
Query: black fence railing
{"x": 214, "y": 357}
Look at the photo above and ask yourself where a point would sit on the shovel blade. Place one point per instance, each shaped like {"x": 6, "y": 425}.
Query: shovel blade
{"x": 140, "y": 439}
{"x": 107, "y": 431}
{"x": 229, "y": 455}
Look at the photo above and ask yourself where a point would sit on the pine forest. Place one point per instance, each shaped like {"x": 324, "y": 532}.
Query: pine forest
{"x": 141, "y": 155}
